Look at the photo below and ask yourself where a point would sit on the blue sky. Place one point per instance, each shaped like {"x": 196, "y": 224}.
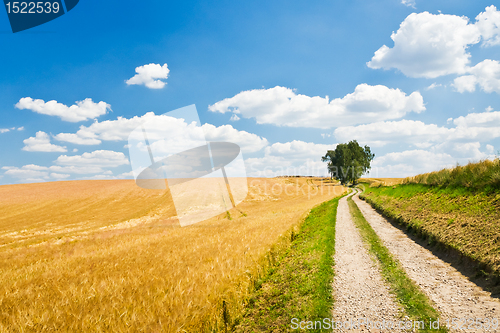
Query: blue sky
{"x": 259, "y": 74}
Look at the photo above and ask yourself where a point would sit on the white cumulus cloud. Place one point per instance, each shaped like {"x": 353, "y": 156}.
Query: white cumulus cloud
{"x": 82, "y": 110}
{"x": 33, "y": 173}
{"x": 176, "y": 131}
{"x": 98, "y": 158}
{"x": 488, "y": 23}
{"x": 284, "y": 107}
{"x": 289, "y": 158}
{"x": 428, "y": 45}
{"x": 474, "y": 127}
{"x": 248, "y": 142}
{"x": 382, "y": 133}
{"x": 79, "y": 170}
{"x": 41, "y": 143}
{"x": 108, "y": 130}
{"x": 486, "y": 74}
{"x": 28, "y": 173}
{"x": 59, "y": 175}
{"x": 150, "y": 75}
{"x": 465, "y": 83}
{"x": 81, "y": 138}
{"x": 482, "y": 119}
{"x": 410, "y": 163}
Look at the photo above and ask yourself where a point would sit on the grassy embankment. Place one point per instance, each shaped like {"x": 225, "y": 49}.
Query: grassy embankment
{"x": 457, "y": 209}
{"x": 300, "y": 283}
{"x": 107, "y": 256}
{"x": 415, "y": 303}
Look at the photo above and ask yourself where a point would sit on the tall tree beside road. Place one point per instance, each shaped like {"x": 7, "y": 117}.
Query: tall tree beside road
{"x": 348, "y": 162}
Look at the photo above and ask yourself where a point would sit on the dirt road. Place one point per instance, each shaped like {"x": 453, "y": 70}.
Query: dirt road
{"x": 359, "y": 289}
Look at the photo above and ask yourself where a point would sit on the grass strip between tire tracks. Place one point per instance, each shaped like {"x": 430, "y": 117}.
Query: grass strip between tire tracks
{"x": 415, "y": 303}
{"x": 300, "y": 284}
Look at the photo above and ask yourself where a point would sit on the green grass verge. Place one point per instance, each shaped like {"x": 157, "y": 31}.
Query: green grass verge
{"x": 300, "y": 284}
{"x": 415, "y": 303}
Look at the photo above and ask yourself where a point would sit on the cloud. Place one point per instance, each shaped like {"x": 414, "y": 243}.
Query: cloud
{"x": 462, "y": 152}
{"x": 108, "y": 130}
{"x": 409, "y": 163}
{"x": 298, "y": 149}
{"x": 488, "y": 23}
{"x": 433, "y": 86}
{"x": 382, "y": 133}
{"x": 429, "y": 46}
{"x": 150, "y": 75}
{"x": 79, "y": 139}
{"x": 177, "y": 129}
{"x": 80, "y": 170}
{"x": 283, "y": 107}
{"x": 98, "y": 158}
{"x": 126, "y": 175}
{"x": 248, "y": 142}
{"x": 409, "y": 3}
{"x": 289, "y": 158}
{"x": 465, "y": 83}
{"x": 59, "y": 175}
{"x": 27, "y": 174}
{"x": 85, "y": 164}
{"x": 33, "y": 173}
{"x": 482, "y": 119}
{"x": 41, "y": 143}
{"x": 98, "y": 177}
{"x": 82, "y": 110}
{"x": 486, "y": 74}
{"x": 5, "y": 130}
{"x": 477, "y": 127}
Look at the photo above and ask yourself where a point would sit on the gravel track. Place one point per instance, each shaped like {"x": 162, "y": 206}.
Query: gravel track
{"x": 453, "y": 294}
{"x": 359, "y": 289}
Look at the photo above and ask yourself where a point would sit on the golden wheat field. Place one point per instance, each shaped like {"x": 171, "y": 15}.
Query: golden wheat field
{"x": 108, "y": 256}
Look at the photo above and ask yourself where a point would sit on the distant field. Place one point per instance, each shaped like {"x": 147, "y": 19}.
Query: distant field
{"x": 110, "y": 256}
{"x": 382, "y": 181}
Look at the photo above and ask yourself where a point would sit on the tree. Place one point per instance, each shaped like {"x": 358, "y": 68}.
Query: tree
{"x": 348, "y": 161}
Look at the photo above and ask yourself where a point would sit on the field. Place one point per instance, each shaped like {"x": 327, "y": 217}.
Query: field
{"x": 110, "y": 256}
{"x": 382, "y": 181}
